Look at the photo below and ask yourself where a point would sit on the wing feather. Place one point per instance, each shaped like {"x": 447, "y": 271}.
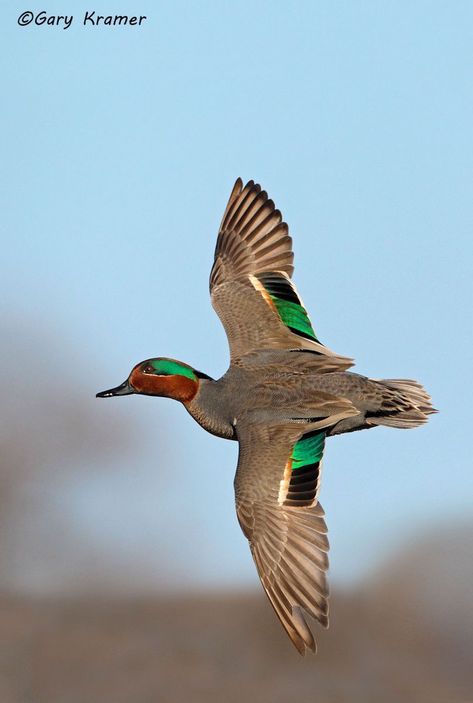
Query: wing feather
{"x": 254, "y": 243}
{"x": 288, "y": 542}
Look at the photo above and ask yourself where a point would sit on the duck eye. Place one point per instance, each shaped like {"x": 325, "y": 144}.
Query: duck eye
{"x": 148, "y": 369}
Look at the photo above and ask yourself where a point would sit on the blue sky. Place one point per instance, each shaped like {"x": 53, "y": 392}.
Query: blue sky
{"x": 120, "y": 147}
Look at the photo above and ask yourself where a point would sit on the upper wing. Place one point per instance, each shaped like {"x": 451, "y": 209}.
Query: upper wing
{"x": 276, "y": 487}
{"x": 250, "y": 281}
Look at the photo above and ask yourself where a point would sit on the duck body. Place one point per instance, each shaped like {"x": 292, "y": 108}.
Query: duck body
{"x": 283, "y": 395}
{"x": 266, "y": 392}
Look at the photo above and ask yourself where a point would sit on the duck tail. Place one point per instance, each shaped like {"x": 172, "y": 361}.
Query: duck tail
{"x": 405, "y": 404}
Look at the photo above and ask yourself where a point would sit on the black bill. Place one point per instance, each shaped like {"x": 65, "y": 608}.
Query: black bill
{"x": 124, "y": 389}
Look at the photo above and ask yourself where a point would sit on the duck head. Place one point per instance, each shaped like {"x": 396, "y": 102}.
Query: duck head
{"x": 163, "y": 377}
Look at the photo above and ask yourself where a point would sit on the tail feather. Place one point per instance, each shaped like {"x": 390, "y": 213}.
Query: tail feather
{"x": 405, "y": 404}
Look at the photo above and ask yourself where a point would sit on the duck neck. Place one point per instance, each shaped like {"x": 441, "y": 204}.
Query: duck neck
{"x": 207, "y": 408}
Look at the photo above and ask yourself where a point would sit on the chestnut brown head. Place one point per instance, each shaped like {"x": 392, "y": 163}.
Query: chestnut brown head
{"x": 160, "y": 377}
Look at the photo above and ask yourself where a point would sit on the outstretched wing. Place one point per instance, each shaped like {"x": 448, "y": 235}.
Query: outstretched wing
{"x": 250, "y": 281}
{"x": 276, "y": 487}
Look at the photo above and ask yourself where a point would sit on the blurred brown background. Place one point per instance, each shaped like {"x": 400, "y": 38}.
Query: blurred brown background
{"x": 406, "y": 635}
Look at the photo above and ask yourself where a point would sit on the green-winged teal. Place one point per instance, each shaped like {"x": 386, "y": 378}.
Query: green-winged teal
{"x": 283, "y": 395}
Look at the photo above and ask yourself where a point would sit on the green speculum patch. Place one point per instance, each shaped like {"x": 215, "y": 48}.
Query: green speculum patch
{"x": 294, "y": 316}
{"x": 287, "y": 303}
{"x": 308, "y": 450}
{"x": 168, "y": 367}
{"x": 305, "y": 469}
